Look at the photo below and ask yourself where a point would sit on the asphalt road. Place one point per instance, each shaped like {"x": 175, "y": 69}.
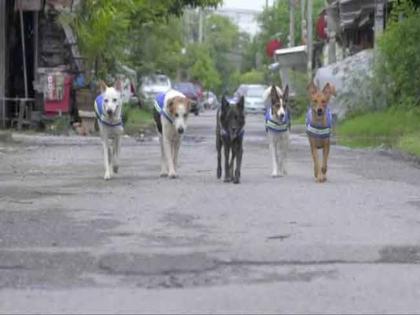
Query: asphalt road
{"x": 71, "y": 242}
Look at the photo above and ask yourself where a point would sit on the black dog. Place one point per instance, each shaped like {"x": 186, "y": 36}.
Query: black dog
{"x": 229, "y": 134}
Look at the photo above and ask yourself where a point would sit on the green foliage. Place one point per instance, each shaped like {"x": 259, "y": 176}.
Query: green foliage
{"x": 104, "y": 28}
{"x": 203, "y": 68}
{"x": 136, "y": 119}
{"x": 400, "y": 58}
{"x": 252, "y": 77}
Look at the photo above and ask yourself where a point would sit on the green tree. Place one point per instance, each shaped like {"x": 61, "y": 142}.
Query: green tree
{"x": 399, "y": 61}
{"x": 104, "y": 27}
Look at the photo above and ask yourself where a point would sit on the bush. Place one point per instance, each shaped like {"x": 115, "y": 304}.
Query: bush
{"x": 399, "y": 53}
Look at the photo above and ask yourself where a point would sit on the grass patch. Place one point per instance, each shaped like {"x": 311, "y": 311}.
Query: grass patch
{"x": 299, "y": 120}
{"x": 136, "y": 119}
{"x": 393, "y": 128}
{"x": 410, "y": 143}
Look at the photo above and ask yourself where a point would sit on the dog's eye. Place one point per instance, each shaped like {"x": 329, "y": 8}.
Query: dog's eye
{"x": 106, "y": 100}
{"x": 114, "y": 100}
{"x": 177, "y": 115}
{"x": 185, "y": 115}
{"x": 236, "y": 117}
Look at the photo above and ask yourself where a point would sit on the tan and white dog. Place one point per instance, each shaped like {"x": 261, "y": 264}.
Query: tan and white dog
{"x": 277, "y": 126}
{"x": 171, "y": 115}
{"x": 108, "y": 108}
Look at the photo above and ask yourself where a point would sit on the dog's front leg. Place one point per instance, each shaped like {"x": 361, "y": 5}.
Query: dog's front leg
{"x": 116, "y": 154}
{"x": 283, "y": 147}
{"x": 325, "y": 153}
{"x": 163, "y": 163}
{"x": 239, "y": 152}
{"x": 167, "y": 146}
{"x": 176, "y": 146}
{"x": 317, "y": 171}
{"x": 105, "y": 143}
{"x": 227, "y": 171}
{"x": 219, "y": 155}
{"x": 274, "y": 158}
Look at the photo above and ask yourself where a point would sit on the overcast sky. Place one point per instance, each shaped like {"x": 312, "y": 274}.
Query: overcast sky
{"x": 246, "y": 4}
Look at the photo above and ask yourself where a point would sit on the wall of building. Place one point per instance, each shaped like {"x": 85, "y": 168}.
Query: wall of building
{"x": 2, "y": 61}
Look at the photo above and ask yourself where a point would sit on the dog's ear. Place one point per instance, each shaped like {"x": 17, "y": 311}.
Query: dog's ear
{"x": 312, "y": 88}
{"x": 286, "y": 94}
{"x": 241, "y": 104}
{"x": 274, "y": 95}
{"x": 188, "y": 104}
{"x": 225, "y": 104}
{"x": 171, "y": 106}
{"x": 102, "y": 86}
{"x": 328, "y": 89}
{"x": 118, "y": 85}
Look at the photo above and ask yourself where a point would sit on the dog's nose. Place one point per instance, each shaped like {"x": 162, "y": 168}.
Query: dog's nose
{"x": 109, "y": 112}
{"x": 180, "y": 130}
{"x": 319, "y": 111}
{"x": 281, "y": 116}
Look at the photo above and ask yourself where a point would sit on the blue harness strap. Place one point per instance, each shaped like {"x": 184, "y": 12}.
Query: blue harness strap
{"x": 318, "y": 131}
{"x": 99, "y": 111}
{"x": 160, "y": 107}
{"x": 276, "y": 125}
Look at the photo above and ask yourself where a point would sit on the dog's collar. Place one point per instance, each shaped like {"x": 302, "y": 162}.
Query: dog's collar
{"x": 316, "y": 130}
{"x": 160, "y": 108}
{"x": 274, "y": 124}
{"x": 100, "y": 115}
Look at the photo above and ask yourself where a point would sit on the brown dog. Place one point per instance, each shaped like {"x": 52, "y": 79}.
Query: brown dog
{"x": 318, "y": 127}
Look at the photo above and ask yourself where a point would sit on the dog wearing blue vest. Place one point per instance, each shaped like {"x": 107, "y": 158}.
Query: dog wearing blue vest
{"x": 318, "y": 127}
{"x": 108, "y": 107}
{"x": 170, "y": 115}
{"x": 277, "y": 126}
{"x": 229, "y": 134}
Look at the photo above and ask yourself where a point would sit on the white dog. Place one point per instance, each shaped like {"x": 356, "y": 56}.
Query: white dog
{"x": 108, "y": 106}
{"x": 277, "y": 125}
{"x": 171, "y": 114}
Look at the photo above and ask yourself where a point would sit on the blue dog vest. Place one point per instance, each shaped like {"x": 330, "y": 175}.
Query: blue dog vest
{"x": 316, "y": 130}
{"x": 274, "y": 124}
{"x": 160, "y": 107}
{"x": 99, "y": 111}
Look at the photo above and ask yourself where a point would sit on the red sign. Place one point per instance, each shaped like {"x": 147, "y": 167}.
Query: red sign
{"x": 321, "y": 26}
{"x": 272, "y": 46}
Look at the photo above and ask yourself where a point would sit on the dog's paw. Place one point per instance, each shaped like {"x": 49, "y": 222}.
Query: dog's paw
{"x": 163, "y": 175}
{"x": 172, "y": 175}
{"x": 115, "y": 169}
{"x": 236, "y": 180}
{"x": 274, "y": 175}
{"x": 219, "y": 173}
{"x": 107, "y": 176}
{"x": 227, "y": 180}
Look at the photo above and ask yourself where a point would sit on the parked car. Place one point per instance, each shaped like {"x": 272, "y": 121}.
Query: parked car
{"x": 253, "y": 93}
{"x": 153, "y": 85}
{"x": 191, "y": 91}
{"x": 210, "y": 100}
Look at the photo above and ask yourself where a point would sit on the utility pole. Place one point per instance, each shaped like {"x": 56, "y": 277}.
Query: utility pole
{"x": 292, "y": 23}
{"x": 309, "y": 40}
{"x": 331, "y": 27}
{"x": 303, "y": 22}
{"x": 379, "y": 18}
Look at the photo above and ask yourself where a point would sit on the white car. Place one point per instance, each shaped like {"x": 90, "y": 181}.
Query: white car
{"x": 253, "y": 93}
{"x": 153, "y": 85}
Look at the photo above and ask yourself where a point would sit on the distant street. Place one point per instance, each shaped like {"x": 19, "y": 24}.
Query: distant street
{"x": 71, "y": 242}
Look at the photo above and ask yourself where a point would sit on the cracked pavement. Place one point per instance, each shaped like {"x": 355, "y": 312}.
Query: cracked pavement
{"x": 72, "y": 243}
